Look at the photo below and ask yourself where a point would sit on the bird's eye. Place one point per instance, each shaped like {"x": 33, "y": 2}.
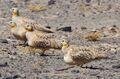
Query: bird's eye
{"x": 63, "y": 40}
{"x": 27, "y": 25}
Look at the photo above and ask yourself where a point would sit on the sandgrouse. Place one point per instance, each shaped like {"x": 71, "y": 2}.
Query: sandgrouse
{"x": 21, "y": 21}
{"x": 18, "y": 32}
{"x": 79, "y": 55}
{"x": 42, "y": 40}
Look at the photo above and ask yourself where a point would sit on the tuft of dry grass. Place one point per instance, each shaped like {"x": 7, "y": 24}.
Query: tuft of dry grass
{"x": 92, "y": 35}
{"x": 84, "y": 8}
{"x": 36, "y": 8}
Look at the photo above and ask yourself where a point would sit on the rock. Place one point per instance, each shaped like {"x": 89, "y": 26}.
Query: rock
{"x": 66, "y": 29}
{"x": 48, "y": 27}
{"x": 3, "y": 41}
{"x": 16, "y": 76}
{"x": 75, "y": 71}
{"x": 4, "y": 64}
{"x": 83, "y": 28}
{"x": 116, "y": 66}
{"x": 88, "y": 1}
{"x": 51, "y": 2}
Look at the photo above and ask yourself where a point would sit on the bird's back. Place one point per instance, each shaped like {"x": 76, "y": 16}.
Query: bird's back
{"x": 41, "y": 39}
{"x": 84, "y": 54}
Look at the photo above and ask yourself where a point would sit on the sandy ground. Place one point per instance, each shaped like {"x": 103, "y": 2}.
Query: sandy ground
{"x": 16, "y": 63}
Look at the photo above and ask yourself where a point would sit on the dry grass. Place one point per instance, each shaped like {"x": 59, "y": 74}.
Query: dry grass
{"x": 84, "y": 8}
{"x": 36, "y": 8}
{"x": 92, "y": 36}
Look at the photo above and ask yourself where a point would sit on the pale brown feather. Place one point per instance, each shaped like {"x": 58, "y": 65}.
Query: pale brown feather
{"x": 42, "y": 40}
{"x": 80, "y": 55}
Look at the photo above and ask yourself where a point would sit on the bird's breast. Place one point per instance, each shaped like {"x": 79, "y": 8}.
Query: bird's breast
{"x": 68, "y": 59}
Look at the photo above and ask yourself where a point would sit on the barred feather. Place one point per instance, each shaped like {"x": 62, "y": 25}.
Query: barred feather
{"x": 42, "y": 40}
{"x": 80, "y": 55}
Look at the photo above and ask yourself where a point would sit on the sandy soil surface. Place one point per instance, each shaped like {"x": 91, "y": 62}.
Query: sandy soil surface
{"x": 17, "y": 63}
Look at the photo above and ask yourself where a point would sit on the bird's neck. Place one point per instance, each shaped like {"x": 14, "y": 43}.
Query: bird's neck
{"x": 30, "y": 30}
{"x": 65, "y": 46}
{"x": 68, "y": 59}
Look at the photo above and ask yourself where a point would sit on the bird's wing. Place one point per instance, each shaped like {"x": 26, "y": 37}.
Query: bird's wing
{"x": 47, "y": 40}
{"x": 40, "y": 27}
{"x": 42, "y": 43}
{"x": 43, "y": 35}
{"x": 36, "y": 26}
{"x": 42, "y": 40}
{"x": 83, "y": 53}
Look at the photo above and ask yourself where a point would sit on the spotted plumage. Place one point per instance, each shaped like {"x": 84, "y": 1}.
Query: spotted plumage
{"x": 79, "y": 55}
{"x": 39, "y": 39}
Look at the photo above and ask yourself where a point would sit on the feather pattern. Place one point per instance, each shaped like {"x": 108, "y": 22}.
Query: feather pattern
{"x": 80, "y": 55}
{"x": 42, "y": 40}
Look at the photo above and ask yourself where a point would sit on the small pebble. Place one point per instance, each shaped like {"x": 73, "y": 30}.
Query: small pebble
{"x": 88, "y": 1}
{"x": 16, "y": 76}
{"x": 8, "y": 78}
{"x": 66, "y": 29}
{"x": 46, "y": 71}
{"x": 48, "y": 27}
{"x": 116, "y": 66}
{"x": 75, "y": 71}
{"x": 3, "y": 41}
{"x": 83, "y": 28}
{"x": 51, "y": 2}
{"x": 4, "y": 64}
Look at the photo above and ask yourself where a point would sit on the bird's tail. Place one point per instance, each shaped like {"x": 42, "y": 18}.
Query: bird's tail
{"x": 102, "y": 56}
{"x": 44, "y": 29}
{"x": 105, "y": 56}
{"x": 55, "y": 43}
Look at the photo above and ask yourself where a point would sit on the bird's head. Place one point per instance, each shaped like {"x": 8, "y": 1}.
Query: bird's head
{"x": 12, "y": 24}
{"x": 28, "y": 27}
{"x": 64, "y": 43}
{"x": 15, "y": 12}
